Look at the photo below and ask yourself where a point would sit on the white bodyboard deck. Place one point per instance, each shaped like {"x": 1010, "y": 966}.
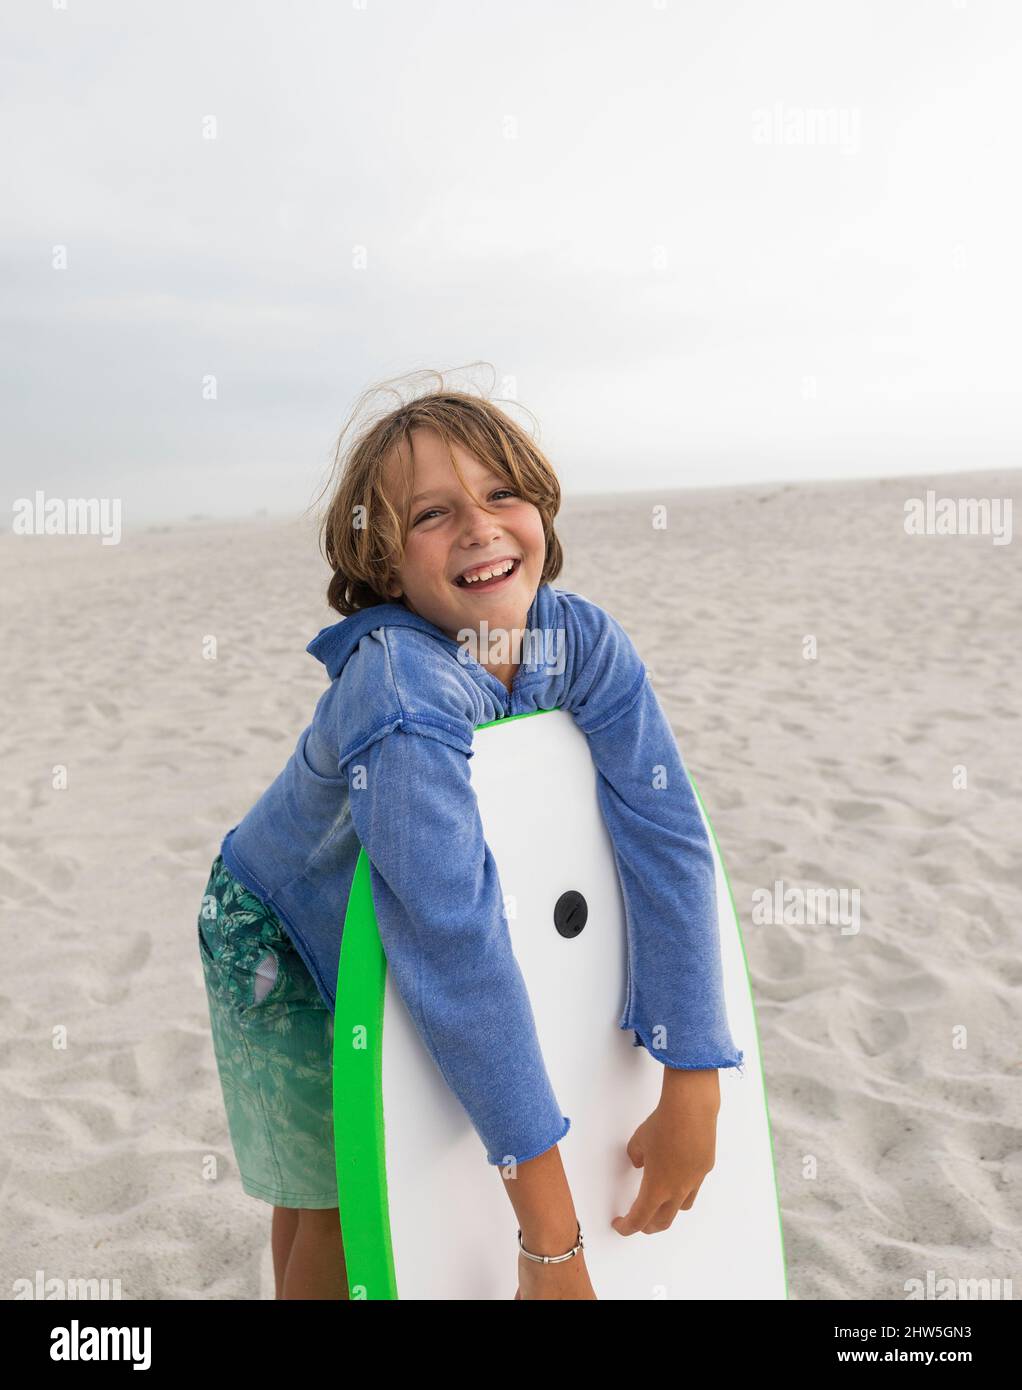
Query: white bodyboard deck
{"x": 424, "y": 1216}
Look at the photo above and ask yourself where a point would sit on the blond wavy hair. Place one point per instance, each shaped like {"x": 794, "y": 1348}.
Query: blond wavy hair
{"x": 364, "y": 556}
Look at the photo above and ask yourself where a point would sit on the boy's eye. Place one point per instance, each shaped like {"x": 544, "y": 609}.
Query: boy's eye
{"x": 510, "y": 492}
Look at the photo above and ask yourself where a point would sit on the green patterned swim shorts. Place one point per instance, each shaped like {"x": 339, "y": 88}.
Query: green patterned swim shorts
{"x": 273, "y": 1041}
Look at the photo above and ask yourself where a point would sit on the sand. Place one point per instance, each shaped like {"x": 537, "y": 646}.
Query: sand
{"x": 898, "y": 1148}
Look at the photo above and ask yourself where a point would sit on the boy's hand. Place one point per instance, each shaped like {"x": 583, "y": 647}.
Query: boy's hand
{"x": 675, "y": 1148}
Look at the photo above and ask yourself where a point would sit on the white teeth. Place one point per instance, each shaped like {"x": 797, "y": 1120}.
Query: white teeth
{"x": 488, "y": 574}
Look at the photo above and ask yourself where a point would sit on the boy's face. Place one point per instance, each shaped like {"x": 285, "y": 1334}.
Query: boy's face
{"x": 449, "y": 533}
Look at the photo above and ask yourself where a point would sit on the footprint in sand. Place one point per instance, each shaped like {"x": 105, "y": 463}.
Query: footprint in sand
{"x": 116, "y": 983}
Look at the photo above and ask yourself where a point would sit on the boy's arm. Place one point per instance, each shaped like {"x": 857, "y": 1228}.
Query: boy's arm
{"x": 675, "y": 998}
{"x": 440, "y": 913}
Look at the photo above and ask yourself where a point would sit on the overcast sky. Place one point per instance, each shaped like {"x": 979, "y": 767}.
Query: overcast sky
{"x": 703, "y": 241}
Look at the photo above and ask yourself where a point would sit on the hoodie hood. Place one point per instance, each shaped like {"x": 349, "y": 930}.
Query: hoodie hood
{"x": 334, "y": 644}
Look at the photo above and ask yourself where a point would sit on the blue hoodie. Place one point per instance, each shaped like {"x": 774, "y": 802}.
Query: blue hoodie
{"x": 384, "y": 764}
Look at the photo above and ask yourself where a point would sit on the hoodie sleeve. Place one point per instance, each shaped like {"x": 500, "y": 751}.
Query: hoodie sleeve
{"x": 440, "y": 912}
{"x": 675, "y": 998}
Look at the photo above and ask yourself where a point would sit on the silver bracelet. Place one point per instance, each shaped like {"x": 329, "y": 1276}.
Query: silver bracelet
{"x": 551, "y": 1259}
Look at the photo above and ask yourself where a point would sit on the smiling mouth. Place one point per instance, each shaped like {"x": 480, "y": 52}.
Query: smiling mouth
{"x": 487, "y": 585}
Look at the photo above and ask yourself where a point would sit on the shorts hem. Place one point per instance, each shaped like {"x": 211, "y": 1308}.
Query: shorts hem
{"x": 288, "y": 1199}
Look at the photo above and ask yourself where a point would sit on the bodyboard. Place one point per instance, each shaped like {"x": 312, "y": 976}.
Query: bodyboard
{"x": 423, "y": 1215}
